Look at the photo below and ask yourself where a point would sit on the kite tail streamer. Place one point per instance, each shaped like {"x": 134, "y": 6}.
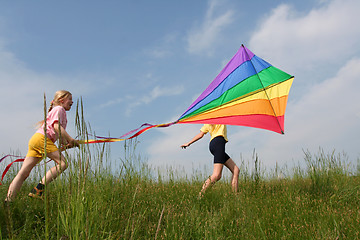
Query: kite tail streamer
{"x": 8, "y": 166}
{"x": 9, "y": 155}
{"x": 126, "y": 134}
{"x": 21, "y": 159}
{"x": 135, "y": 132}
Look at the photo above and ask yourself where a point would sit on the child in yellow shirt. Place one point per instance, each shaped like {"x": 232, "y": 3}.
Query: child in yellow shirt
{"x": 217, "y": 143}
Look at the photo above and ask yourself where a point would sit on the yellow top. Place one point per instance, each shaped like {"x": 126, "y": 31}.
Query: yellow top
{"x": 215, "y": 130}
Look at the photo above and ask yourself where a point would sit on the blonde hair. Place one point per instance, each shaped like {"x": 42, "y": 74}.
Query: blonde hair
{"x": 59, "y": 95}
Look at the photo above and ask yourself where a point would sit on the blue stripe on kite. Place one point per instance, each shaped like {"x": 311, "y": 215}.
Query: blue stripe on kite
{"x": 244, "y": 71}
{"x": 260, "y": 64}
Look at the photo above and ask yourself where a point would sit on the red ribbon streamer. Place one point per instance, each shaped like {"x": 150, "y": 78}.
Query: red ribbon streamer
{"x": 8, "y": 166}
{"x": 21, "y": 159}
{"x": 138, "y": 132}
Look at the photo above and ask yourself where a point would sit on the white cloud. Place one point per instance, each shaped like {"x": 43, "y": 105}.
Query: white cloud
{"x": 320, "y": 48}
{"x": 155, "y": 93}
{"x": 201, "y": 38}
{"x": 165, "y": 48}
{"x": 324, "y": 36}
{"x": 111, "y": 102}
{"x": 158, "y": 52}
{"x": 21, "y": 97}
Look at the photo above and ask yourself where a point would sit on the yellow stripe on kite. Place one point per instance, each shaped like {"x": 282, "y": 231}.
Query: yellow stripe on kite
{"x": 275, "y": 91}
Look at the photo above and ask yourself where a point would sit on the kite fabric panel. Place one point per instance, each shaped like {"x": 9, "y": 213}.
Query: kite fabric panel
{"x": 247, "y": 92}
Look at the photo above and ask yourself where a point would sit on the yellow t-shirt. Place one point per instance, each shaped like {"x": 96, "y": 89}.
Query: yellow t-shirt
{"x": 215, "y": 130}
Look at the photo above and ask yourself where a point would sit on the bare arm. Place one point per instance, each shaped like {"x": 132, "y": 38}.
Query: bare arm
{"x": 196, "y": 138}
{"x": 66, "y": 139}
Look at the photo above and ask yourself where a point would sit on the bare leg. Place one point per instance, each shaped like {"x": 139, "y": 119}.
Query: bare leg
{"x": 55, "y": 171}
{"x": 21, "y": 176}
{"x": 218, "y": 167}
{"x": 230, "y": 164}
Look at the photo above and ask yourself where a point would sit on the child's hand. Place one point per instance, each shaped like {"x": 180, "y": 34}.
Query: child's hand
{"x": 73, "y": 143}
{"x": 184, "y": 146}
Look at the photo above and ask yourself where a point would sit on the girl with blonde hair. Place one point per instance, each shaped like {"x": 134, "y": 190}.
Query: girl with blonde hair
{"x": 217, "y": 143}
{"x": 56, "y": 122}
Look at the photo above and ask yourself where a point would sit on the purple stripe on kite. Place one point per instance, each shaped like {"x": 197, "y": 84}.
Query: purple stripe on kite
{"x": 240, "y": 57}
{"x": 244, "y": 71}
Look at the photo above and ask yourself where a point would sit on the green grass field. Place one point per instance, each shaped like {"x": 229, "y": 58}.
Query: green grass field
{"x": 91, "y": 201}
{"x": 88, "y": 202}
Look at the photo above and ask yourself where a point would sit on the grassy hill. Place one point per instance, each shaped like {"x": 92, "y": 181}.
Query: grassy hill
{"x": 87, "y": 202}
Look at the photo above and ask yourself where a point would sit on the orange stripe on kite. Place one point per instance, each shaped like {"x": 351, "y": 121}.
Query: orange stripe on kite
{"x": 259, "y": 107}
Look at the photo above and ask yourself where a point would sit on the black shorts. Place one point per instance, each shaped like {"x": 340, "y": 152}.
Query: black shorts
{"x": 217, "y": 148}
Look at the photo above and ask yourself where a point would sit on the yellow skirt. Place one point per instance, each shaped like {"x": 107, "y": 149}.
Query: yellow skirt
{"x": 36, "y": 146}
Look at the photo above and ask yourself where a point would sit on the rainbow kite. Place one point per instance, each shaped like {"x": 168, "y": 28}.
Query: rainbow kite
{"x": 247, "y": 92}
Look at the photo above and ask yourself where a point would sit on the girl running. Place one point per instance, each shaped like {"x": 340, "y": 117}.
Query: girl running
{"x": 217, "y": 148}
{"x": 55, "y": 129}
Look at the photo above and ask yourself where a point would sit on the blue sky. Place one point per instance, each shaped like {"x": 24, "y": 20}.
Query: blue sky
{"x": 146, "y": 61}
